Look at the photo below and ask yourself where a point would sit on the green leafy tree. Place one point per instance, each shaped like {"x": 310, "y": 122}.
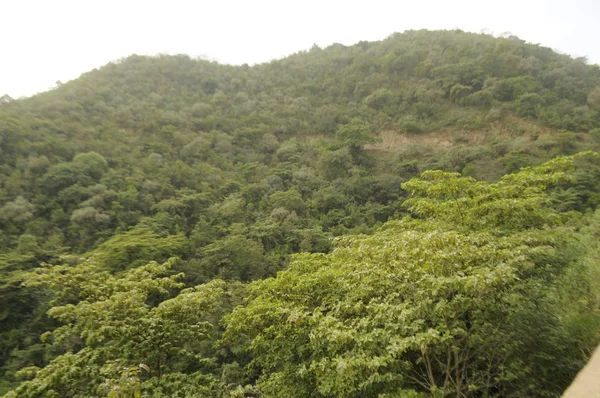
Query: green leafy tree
{"x": 439, "y": 304}
{"x": 126, "y": 336}
{"x": 233, "y": 258}
{"x": 91, "y": 163}
{"x": 136, "y": 247}
{"x": 593, "y": 99}
{"x": 18, "y": 211}
{"x": 355, "y": 135}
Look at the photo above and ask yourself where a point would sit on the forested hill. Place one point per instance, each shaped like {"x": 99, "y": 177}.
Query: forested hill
{"x": 155, "y": 174}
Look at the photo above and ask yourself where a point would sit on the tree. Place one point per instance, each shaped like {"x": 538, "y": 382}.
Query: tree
{"x": 233, "y": 258}
{"x": 594, "y": 98}
{"x": 335, "y": 164}
{"x": 18, "y": 211}
{"x": 355, "y": 135}
{"x": 380, "y": 99}
{"x": 528, "y": 105}
{"x": 136, "y": 247}
{"x": 440, "y": 304}
{"x": 63, "y": 175}
{"x": 126, "y": 335}
{"x": 91, "y": 163}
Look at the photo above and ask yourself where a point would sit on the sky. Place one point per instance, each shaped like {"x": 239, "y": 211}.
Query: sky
{"x": 45, "y": 41}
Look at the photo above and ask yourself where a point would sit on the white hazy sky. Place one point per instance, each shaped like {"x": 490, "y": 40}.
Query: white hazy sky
{"x": 42, "y": 41}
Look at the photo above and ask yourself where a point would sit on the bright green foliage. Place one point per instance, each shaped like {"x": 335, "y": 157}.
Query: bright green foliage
{"x": 136, "y": 247}
{"x": 440, "y": 304}
{"x": 516, "y": 202}
{"x": 235, "y": 168}
{"x": 126, "y": 335}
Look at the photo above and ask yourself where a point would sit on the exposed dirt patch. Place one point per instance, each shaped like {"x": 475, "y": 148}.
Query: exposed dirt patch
{"x": 393, "y": 141}
{"x": 511, "y": 127}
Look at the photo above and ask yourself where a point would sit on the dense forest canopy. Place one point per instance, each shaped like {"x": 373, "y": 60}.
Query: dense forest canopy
{"x": 410, "y": 217}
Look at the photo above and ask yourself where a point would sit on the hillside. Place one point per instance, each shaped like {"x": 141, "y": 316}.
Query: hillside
{"x": 233, "y": 169}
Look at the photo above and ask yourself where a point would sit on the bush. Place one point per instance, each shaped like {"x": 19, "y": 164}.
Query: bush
{"x": 410, "y": 125}
{"x": 481, "y": 99}
{"x": 595, "y": 136}
{"x": 528, "y": 105}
